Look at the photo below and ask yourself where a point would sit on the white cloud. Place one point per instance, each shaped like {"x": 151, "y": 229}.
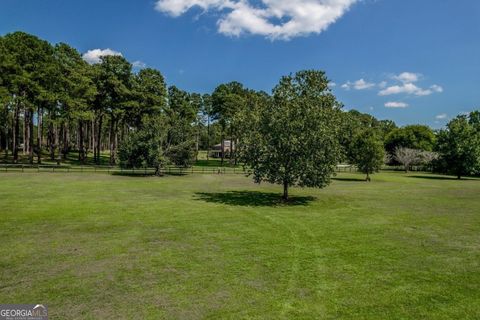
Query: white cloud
{"x": 93, "y": 56}
{"x": 407, "y": 77}
{"x": 139, "y": 64}
{"x": 442, "y": 116}
{"x": 358, "y": 85}
{"x": 274, "y": 19}
{"x": 362, "y": 85}
{"x": 395, "y": 104}
{"x": 436, "y": 88}
{"x": 408, "y": 88}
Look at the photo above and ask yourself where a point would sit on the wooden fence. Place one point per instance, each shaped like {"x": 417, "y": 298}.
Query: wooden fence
{"x": 133, "y": 171}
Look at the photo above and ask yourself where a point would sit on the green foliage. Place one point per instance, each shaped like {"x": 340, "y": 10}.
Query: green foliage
{"x": 418, "y": 137}
{"x": 182, "y": 154}
{"x": 354, "y": 123}
{"x": 459, "y": 146}
{"x": 367, "y": 152}
{"x": 144, "y": 147}
{"x": 151, "y": 95}
{"x": 149, "y": 147}
{"x": 295, "y": 140}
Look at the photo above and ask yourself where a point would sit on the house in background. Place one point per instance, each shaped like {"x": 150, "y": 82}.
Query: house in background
{"x": 228, "y": 146}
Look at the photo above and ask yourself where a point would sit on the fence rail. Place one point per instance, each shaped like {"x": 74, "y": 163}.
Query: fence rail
{"x": 150, "y": 171}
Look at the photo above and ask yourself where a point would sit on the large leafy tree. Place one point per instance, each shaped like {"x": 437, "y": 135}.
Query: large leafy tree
{"x": 459, "y": 146}
{"x": 295, "y": 140}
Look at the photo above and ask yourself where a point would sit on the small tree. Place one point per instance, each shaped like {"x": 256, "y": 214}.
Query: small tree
{"x": 407, "y": 156}
{"x": 293, "y": 137}
{"x": 367, "y": 152}
{"x": 144, "y": 148}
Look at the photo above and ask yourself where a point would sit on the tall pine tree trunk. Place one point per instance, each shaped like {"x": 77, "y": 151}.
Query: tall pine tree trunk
{"x": 30, "y": 136}
{"x": 99, "y": 138}
{"x": 208, "y": 139}
{"x": 81, "y": 151}
{"x": 66, "y": 141}
{"x": 15, "y": 132}
{"x": 39, "y": 135}
{"x": 25, "y": 131}
{"x": 112, "y": 140}
{"x": 51, "y": 140}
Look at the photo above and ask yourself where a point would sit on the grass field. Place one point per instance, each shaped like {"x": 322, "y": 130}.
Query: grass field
{"x": 98, "y": 246}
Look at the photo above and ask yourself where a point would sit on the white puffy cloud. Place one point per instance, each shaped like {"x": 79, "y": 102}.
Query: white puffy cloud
{"x": 395, "y": 104}
{"x": 358, "y": 85}
{"x": 93, "y": 56}
{"x": 442, "y": 116}
{"x": 407, "y": 77}
{"x": 408, "y": 88}
{"x": 362, "y": 85}
{"x": 275, "y": 19}
{"x": 436, "y": 88}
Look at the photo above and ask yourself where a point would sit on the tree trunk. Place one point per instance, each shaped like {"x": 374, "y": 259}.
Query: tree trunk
{"x": 81, "y": 152}
{"x": 99, "y": 139}
{"x": 368, "y": 177}
{"x": 15, "y": 129}
{"x": 112, "y": 141}
{"x": 66, "y": 142}
{"x": 30, "y": 136}
{"x": 285, "y": 190}
{"x": 39, "y": 135}
{"x": 51, "y": 140}
{"x": 208, "y": 139}
{"x": 25, "y": 128}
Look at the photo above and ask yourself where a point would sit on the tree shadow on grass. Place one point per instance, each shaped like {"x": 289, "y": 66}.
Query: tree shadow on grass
{"x": 439, "y": 177}
{"x": 349, "y": 179}
{"x": 252, "y": 198}
{"x": 132, "y": 174}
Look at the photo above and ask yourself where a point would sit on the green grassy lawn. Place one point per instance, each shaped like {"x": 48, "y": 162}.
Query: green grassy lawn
{"x": 99, "y": 246}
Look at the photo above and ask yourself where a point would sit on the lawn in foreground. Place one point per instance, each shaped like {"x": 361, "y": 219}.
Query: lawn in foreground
{"x": 97, "y": 246}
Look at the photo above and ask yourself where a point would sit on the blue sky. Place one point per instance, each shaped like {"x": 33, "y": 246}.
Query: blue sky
{"x": 413, "y": 61}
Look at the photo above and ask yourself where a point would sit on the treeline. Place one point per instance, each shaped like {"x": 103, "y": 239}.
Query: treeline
{"x": 53, "y": 103}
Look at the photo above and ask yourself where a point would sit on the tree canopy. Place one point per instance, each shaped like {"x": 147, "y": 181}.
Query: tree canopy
{"x": 296, "y": 140}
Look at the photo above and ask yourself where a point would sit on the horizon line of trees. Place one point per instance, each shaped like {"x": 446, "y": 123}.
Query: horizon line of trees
{"x": 53, "y": 102}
